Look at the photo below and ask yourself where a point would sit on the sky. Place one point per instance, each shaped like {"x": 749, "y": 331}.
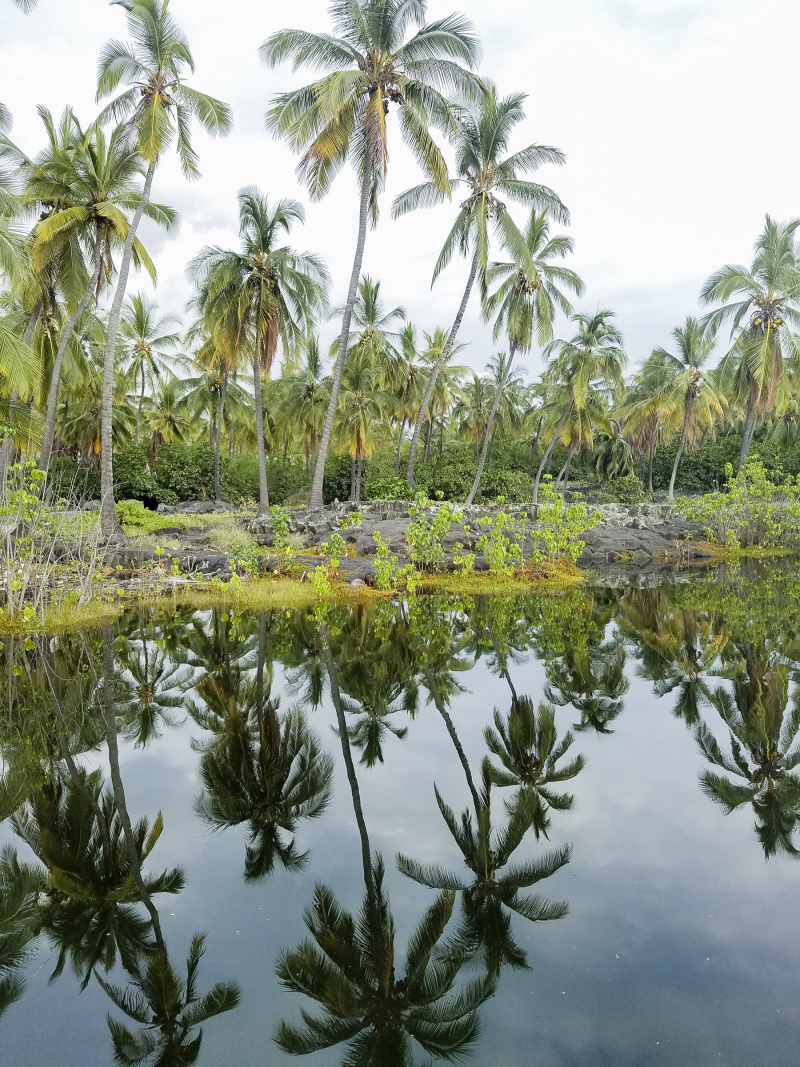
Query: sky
{"x": 676, "y": 145}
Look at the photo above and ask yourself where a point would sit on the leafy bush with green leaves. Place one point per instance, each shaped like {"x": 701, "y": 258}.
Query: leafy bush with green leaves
{"x": 426, "y": 533}
{"x": 387, "y": 489}
{"x": 755, "y": 510}
{"x": 559, "y": 526}
{"x": 628, "y": 490}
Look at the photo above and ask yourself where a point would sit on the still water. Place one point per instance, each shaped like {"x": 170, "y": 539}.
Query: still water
{"x": 542, "y": 831}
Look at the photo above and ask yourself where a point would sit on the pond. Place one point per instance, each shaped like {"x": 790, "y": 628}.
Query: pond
{"x": 547, "y": 830}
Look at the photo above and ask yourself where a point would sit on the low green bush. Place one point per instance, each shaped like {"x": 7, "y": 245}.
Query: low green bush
{"x": 628, "y": 490}
{"x": 387, "y": 489}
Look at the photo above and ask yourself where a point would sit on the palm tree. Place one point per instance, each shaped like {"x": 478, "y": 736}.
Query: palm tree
{"x": 169, "y": 415}
{"x": 151, "y": 689}
{"x": 525, "y": 302}
{"x": 489, "y": 889}
{"x": 482, "y": 131}
{"x": 376, "y": 343}
{"x": 93, "y": 181}
{"x": 762, "y": 304}
{"x": 593, "y": 356}
{"x": 647, "y": 414}
{"x": 158, "y": 97}
{"x": 526, "y": 743}
{"x": 149, "y": 347}
{"x": 764, "y": 750}
{"x": 167, "y": 1009}
{"x": 306, "y": 394}
{"x": 362, "y": 407}
{"x": 260, "y": 295}
{"x": 690, "y": 389}
{"x": 370, "y": 66}
{"x": 19, "y": 889}
{"x": 592, "y": 679}
{"x": 472, "y": 408}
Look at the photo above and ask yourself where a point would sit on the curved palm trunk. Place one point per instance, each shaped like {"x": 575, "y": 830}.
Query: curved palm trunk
{"x": 116, "y": 782}
{"x": 111, "y": 528}
{"x": 549, "y": 451}
{"x": 440, "y": 362}
{"x": 218, "y": 442}
{"x": 139, "y": 410}
{"x": 437, "y": 699}
{"x": 263, "y": 489}
{"x": 336, "y": 697}
{"x": 652, "y": 452}
{"x": 534, "y": 443}
{"x": 570, "y": 454}
{"x": 69, "y": 329}
{"x": 488, "y": 436}
{"x": 319, "y": 470}
{"x": 681, "y": 446}
{"x": 749, "y": 426}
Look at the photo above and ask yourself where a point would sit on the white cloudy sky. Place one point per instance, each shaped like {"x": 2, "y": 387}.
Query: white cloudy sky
{"x": 673, "y": 118}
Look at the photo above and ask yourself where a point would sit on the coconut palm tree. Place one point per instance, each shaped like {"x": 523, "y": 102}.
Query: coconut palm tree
{"x": 592, "y": 679}
{"x": 376, "y": 343}
{"x": 363, "y": 406}
{"x": 525, "y": 302}
{"x": 487, "y": 890}
{"x": 488, "y": 177}
{"x": 526, "y": 743}
{"x": 592, "y": 358}
{"x": 158, "y": 104}
{"x": 691, "y": 391}
{"x": 20, "y": 886}
{"x": 150, "y": 347}
{"x": 762, "y": 304}
{"x": 260, "y": 295}
{"x": 93, "y": 182}
{"x": 647, "y": 414}
{"x": 472, "y": 407}
{"x": 167, "y": 1009}
{"x": 169, "y": 415}
{"x": 151, "y": 689}
{"x": 370, "y": 65}
{"x": 306, "y": 395}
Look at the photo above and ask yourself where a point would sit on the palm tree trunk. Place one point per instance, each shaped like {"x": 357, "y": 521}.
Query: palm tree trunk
{"x": 336, "y": 697}
{"x": 7, "y": 446}
{"x": 749, "y": 426}
{"x": 650, "y": 461}
{"x": 440, "y": 707}
{"x": 488, "y": 436}
{"x": 116, "y": 782}
{"x": 549, "y": 451}
{"x": 358, "y": 479}
{"x": 441, "y": 435}
{"x": 55, "y": 379}
{"x": 681, "y": 446}
{"x": 570, "y": 454}
{"x": 263, "y": 489}
{"x": 110, "y": 526}
{"x": 319, "y": 470}
{"x": 353, "y": 478}
{"x": 60, "y": 440}
{"x": 218, "y": 441}
{"x": 399, "y": 446}
{"x": 534, "y": 443}
{"x": 285, "y": 450}
{"x": 491, "y": 445}
{"x": 440, "y": 362}
{"x": 139, "y": 409}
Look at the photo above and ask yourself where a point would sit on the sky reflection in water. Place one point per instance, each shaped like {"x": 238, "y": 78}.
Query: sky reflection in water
{"x": 679, "y": 945}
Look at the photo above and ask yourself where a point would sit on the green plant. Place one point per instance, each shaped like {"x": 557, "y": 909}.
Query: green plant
{"x": 627, "y": 490}
{"x": 753, "y": 511}
{"x": 503, "y": 554}
{"x": 385, "y": 564}
{"x": 558, "y": 527}
{"x": 389, "y": 488}
{"x": 426, "y": 534}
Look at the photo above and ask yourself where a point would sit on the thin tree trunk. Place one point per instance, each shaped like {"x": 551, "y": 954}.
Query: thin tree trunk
{"x": 650, "y": 461}
{"x": 440, "y": 707}
{"x": 487, "y": 437}
{"x": 139, "y": 408}
{"x": 427, "y": 449}
{"x": 111, "y": 528}
{"x": 491, "y": 445}
{"x": 263, "y": 489}
{"x": 336, "y": 697}
{"x": 570, "y": 454}
{"x": 440, "y": 362}
{"x": 353, "y": 478}
{"x": 399, "y": 446}
{"x": 358, "y": 479}
{"x": 549, "y": 451}
{"x": 749, "y": 426}
{"x": 319, "y": 470}
{"x": 441, "y": 435}
{"x": 218, "y": 442}
{"x": 116, "y": 782}
{"x": 7, "y": 445}
{"x": 534, "y": 443}
{"x": 285, "y": 450}
{"x": 55, "y": 379}
{"x": 60, "y": 440}
{"x": 681, "y": 446}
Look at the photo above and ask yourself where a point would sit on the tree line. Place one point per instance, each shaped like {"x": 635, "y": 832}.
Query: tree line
{"x": 80, "y": 378}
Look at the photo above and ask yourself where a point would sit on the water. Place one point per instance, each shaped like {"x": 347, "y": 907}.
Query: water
{"x": 679, "y": 945}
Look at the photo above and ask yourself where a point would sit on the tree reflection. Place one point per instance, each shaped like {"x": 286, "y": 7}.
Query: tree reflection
{"x": 19, "y": 923}
{"x": 591, "y": 678}
{"x": 526, "y": 743}
{"x": 765, "y": 752}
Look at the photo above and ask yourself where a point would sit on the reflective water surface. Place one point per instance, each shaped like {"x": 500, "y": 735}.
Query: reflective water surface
{"x": 542, "y": 831}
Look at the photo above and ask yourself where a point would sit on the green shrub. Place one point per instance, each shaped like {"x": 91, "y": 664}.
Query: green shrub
{"x": 387, "y": 489}
{"x": 628, "y": 490}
